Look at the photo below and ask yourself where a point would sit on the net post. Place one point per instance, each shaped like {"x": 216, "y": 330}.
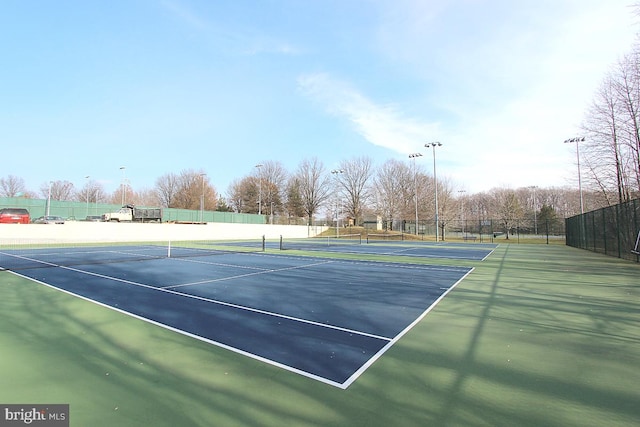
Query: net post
{"x": 169, "y": 249}
{"x": 264, "y": 245}
{"x": 281, "y": 248}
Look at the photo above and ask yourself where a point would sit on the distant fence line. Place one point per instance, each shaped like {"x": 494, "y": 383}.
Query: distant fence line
{"x": 82, "y": 210}
{"x": 612, "y": 230}
{"x": 485, "y": 230}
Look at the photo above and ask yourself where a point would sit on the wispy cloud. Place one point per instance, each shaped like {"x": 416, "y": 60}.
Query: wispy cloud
{"x": 186, "y": 15}
{"x": 513, "y": 81}
{"x": 244, "y": 42}
{"x": 381, "y": 125}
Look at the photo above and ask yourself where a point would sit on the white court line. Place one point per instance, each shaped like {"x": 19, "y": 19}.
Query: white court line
{"x": 189, "y": 334}
{"x": 221, "y": 264}
{"x": 395, "y": 339}
{"x": 264, "y": 271}
{"x": 28, "y": 259}
{"x": 224, "y": 303}
{"x": 344, "y": 385}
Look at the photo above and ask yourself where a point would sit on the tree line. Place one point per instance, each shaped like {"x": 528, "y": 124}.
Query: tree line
{"x": 351, "y": 193}
{"x": 609, "y": 150}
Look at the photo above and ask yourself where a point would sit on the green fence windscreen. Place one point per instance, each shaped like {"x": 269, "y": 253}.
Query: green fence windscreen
{"x": 82, "y": 210}
{"x": 611, "y": 231}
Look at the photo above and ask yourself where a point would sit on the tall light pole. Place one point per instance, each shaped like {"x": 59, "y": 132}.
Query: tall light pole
{"x": 202, "y": 199}
{"x": 259, "y": 166}
{"x": 578, "y": 140}
{"x": 87, "y": 184}
{"x": 415, "y": 184}
{"x": 335, "y": 173}
{"x": 49, "y": 199}
{"x": 462, "y": 209}
{"x": 435, "y": 179}
{"x": 123, "y": 199}
{"x": 535, "y": 209}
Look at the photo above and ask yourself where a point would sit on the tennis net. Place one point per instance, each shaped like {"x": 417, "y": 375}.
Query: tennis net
{"x": 387, "y": 237}
{"x": 320, "y": 243}
{"x": 18, "y": 256}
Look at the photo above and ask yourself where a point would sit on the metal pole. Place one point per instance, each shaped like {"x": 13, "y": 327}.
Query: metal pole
{"x": 578, "y": 140}
{"x": 202, "y": 199}
{"x": 535, "y": 210}
{"x": 87, "y": 184}
{"x": 259, "y": 166}
{"x": 435, "y": 184}
{"x": 335, "y": 173}
{"x": 415, "y": 184}
{"x": 435, "y": 180}
{"x": 579, "y": 177}
{"x": 462, "y": 210}
{"x": 123, "y": 199}
{"x": 49, "y": 199}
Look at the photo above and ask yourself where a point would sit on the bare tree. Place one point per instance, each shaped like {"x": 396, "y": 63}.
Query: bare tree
{"x": 124, "y": 194}
{"x": 58, "y": 190}
{"x": 272, "y": 178}
{"x": 627, "y": 89}
{"x": 393, "y": 187}
{"x": 194, "y": 189}
{"x": 478, "y": 211}
{"x": 611, "y": 151}
{"x": 92, "y": 192}
{"x": 353, "y": 184}
{"x": 147, "y": 197}
{"x": 12, "y": 186}
{"x": 448, "y": 207}
{"x": 167, "y": 186}
{"x": 506, "y": 208}
{"x": 314, "y": 186}
{"x": 237, "y": 194}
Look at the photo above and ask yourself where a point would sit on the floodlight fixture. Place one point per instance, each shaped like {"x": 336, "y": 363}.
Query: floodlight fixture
{"x": 415, "y": 184}
{"x": 433, "y": 145}
{"x": 123, "y": 198}
{"x": 577, "y": 140}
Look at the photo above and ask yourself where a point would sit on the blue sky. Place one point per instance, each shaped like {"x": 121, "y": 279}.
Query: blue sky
{"x": 160, "y": 86}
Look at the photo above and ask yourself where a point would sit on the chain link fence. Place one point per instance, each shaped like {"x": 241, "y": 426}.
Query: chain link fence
{"x": 611, "y": 231}
{"x": 484, "y": 230}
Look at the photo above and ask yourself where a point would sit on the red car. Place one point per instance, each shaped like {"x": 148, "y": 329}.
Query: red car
{"x": 14, "y": 216}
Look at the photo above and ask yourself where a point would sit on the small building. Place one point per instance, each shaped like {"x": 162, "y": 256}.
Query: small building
{"x": 372, "y": 222}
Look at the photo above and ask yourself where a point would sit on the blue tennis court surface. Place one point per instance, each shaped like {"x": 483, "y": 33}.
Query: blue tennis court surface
{"x": 460, "y": 251}
{"x": 323, "y": 318}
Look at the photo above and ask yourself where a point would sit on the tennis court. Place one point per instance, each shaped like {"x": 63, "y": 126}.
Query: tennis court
{"x": 535, "y": 335}
{"x": 298, "y": 313}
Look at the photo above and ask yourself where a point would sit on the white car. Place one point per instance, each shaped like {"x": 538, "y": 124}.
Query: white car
{"x": 49, "y": 220}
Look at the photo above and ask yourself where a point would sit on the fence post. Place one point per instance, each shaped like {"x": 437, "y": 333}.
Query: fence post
{"x": 546, "y": 225}
{"x": 618, "y": 231}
